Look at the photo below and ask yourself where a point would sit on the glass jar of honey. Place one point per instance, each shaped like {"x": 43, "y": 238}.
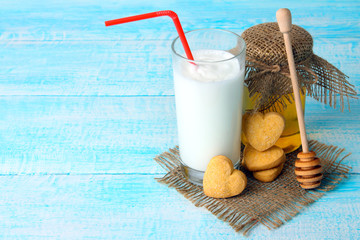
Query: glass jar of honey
{"x": 290, "y": 138}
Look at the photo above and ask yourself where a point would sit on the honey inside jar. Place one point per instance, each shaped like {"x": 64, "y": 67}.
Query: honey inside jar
{"x": 290, "y": 138}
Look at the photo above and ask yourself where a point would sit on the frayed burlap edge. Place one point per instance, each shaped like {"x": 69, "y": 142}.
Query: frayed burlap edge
{"x": 271, "y": 204}
{"x": 271, "y": 90}
{"x": 268, "y": 76}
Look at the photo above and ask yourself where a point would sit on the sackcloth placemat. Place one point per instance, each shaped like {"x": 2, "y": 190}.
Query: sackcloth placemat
{"x": 270, "y": 204}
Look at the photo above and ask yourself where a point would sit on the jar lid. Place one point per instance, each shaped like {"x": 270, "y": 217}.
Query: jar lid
{"x": 265, "y": 43}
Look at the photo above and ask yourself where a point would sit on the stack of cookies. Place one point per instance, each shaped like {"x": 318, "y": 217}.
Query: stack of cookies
{"x": 261, "y": 156}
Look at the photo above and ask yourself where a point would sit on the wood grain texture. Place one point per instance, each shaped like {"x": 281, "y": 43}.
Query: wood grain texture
{"x": 78, "y": 68}
{"x": 84, "y": 135}
{"x": 136, "y": 207}
{"x": 84, "y": 20}
{"x": 84, "y": 109}
{"x": 50, "y": 134}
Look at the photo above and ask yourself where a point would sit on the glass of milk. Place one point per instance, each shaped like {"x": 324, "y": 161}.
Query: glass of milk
{"x": 208, "y": 96}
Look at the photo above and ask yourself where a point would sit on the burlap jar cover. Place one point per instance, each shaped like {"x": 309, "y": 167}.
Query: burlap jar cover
{"x": 267, "y": 72}
{"x": 268, "y": 80}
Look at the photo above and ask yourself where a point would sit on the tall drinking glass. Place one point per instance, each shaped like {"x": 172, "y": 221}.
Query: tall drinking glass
{"x": 208, "y": 96}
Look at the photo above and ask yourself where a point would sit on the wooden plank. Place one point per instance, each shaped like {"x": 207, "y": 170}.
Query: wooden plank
{"x": 46, "y": 134}
{"x": 136, "y": 207}
{"x": 86, "y": 68}
{"x": 56, "y": 50}
{"x": 84, "y": 20}
{"x": 86, "y": 135}
{"x": 117, "y": 68}
{"x": 335, "y": 128}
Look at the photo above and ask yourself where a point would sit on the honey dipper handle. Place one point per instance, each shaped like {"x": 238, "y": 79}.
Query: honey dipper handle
{"x": 283, "y": 17}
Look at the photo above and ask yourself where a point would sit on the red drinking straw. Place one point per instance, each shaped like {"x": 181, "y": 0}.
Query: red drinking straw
{"x": 168, "y": 13}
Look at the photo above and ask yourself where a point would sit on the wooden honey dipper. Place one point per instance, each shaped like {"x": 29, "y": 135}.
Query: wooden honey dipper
{"x": 307, "y": 165}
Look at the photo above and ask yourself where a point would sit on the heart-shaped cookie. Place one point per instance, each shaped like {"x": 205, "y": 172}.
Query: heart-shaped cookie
{"x": 263, "y": 130}
{"x": 257, "y": 161}
{"x": 221, "y": 180}
{"x": 268, "y": 175}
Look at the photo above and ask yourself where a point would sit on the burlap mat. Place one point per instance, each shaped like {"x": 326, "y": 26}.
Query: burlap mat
{"x": 271, "y": 204}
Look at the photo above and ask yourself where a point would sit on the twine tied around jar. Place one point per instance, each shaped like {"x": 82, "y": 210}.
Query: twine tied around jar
{"x": 277, "y": 69}
{"x": 268, "y": 76}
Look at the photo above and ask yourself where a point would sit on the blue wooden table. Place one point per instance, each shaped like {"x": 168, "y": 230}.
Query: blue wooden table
{"x": 84, "y": 109}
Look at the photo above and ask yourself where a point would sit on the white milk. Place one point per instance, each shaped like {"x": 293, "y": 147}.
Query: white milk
{"x": 209, "y": 108}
